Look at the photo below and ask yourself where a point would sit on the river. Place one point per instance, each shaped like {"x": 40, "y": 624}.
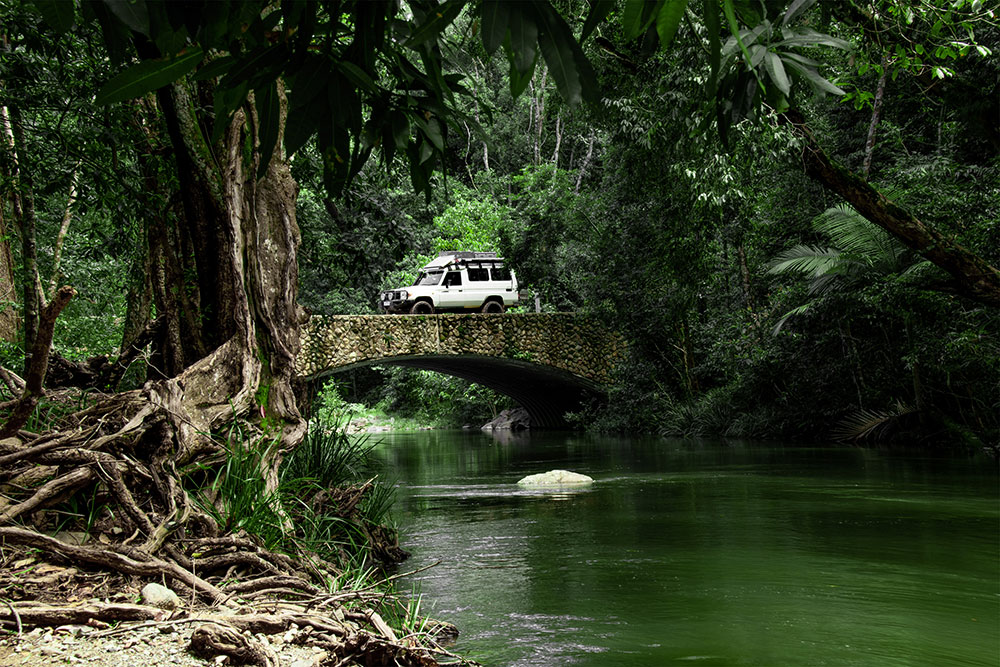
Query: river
{"x": 701, "y": 552}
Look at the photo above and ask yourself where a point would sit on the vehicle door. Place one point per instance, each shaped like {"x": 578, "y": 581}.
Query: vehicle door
{"x": 452, "y": 292}
{"x": 478, "y": 286}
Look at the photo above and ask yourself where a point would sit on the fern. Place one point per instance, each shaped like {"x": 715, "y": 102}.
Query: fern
{"x": 871, "y": 424}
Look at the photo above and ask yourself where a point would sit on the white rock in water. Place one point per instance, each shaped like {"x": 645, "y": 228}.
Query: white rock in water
{"x": 555, "y": 478}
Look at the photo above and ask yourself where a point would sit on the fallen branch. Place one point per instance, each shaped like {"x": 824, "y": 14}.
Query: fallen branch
{"x": 33, "y": 614}
{"x": 50, "y": 493}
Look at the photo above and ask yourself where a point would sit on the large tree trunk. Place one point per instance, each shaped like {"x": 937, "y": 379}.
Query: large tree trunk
{"x": 238, "y": 347}
{"x": 135, "y": 445}
{"x": 973, "y": 275}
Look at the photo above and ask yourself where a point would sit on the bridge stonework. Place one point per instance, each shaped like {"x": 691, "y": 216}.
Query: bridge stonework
{"x": 546, "y": 361}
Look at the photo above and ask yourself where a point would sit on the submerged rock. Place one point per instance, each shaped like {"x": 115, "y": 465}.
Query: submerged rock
{"x": 556, "y": 478}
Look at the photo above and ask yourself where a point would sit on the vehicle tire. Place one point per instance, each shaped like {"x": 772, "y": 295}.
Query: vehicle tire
{"x": 494, "y": 307}
{"x": 422, "y": 308}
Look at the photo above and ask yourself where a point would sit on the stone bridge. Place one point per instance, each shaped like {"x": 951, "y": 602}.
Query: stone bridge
{"x": 547, "y": 362}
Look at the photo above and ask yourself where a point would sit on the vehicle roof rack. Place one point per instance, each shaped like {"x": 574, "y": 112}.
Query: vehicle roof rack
{"x": 467, "y": 254}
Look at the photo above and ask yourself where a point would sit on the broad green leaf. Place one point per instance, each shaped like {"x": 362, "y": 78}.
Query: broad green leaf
{"x": 148, "y": 76}
{"x": 268, "y": 123}
{"x": 669, "y": 17}
{"x": 309, "y": 81}
{"x": 748, "y": 37}
{"x": 302, "y": 123}
{"x": 795, "y": 10}
{"x": 599, "y": 10}
{"x": 357, "y": 76}
{"x": 777, "y": 100}
{"x": 437, "y": 20}
{"x": 132, "y": 13}
{"x": 226, "y": 102}
{"x": 494, "y": 17}
{"x": 734, "y": 26}
{"x": 58, "y": 14}
{"x": 809, "y": 37}
{"x": 400, "y": 129}
{"x": 809, "y": 62}
{"x": 257, "y": 67}
{"x": 819, "y": 84}
{"x": 519, "y": 81}
{"x": 559, "y": 50}
{"x": 419, "y": 174}
{"x": 426, "y": 151}
{"x": 523, "y": 37}
{"x": 432, "y": 130}
{"x": 776, "y": 71}
{"x": 632, "y": 18}
{"x": 217, "y": 67}
{"x": 432, "y": 65}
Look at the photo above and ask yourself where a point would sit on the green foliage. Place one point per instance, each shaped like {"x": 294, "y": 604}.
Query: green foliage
{"x": 237, "y": 497}
{"x": 433, "y": 399}
{"x": 862, "y": 253}
{"x": 302, "y": 515}
{"x": 627, "y": 208}
{"x": 329, "y": 456}
{"x": 471, "y": 222}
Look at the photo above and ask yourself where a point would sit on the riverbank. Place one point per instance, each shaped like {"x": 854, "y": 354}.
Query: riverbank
{"x": 122, "y": 626}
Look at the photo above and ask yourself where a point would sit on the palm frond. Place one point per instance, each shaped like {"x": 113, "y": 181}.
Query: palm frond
{"x": 826, "y": 283}
{"x": 787, "y": 316}
{"x": 804, "y": 259}
{"x": 855, "y": 235}
{"x": 923, "y": 274}
{"x": 871, "y": 424}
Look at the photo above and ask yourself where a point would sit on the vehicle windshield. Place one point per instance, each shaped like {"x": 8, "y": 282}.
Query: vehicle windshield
{"x": 431, "y": 278}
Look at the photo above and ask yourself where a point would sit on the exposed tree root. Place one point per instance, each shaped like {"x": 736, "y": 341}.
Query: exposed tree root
{"x": 214, "y": 639}
{"x": 125, "y": 454}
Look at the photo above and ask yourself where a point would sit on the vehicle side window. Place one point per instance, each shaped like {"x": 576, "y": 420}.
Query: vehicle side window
{"x": 453, "y": 278}
{"x": 478, "y": 275}
{"x": 500, "y": 273}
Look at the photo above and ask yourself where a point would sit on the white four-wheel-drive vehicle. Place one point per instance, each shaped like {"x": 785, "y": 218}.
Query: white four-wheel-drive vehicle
{"x": 456, "y": 281}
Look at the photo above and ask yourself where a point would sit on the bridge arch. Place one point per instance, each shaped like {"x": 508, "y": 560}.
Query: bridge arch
{"x": 547, "y": 362}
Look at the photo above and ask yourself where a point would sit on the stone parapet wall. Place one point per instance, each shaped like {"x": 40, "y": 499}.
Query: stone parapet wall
{"x": 571, "y": 343}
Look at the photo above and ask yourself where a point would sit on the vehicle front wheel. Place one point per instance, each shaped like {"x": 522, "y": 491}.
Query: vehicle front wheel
{"x": 422, "y": 308}
{"x": 493, "y": 307}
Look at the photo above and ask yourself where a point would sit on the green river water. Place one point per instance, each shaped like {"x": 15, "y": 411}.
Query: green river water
{"x": 707, "y": 553}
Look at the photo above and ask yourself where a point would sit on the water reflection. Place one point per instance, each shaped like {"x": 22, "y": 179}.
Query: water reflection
{"x": 717, "y": 553}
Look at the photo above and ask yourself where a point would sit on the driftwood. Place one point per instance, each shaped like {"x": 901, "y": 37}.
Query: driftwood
{"x": 213, "y": 639}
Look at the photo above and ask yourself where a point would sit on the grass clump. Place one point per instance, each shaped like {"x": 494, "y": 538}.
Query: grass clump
{"x": 329, "y": 505}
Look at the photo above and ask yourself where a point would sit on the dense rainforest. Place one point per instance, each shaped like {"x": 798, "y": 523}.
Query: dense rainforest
{"x": 758, "y": 299}
{"x": 789, "y": 209}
